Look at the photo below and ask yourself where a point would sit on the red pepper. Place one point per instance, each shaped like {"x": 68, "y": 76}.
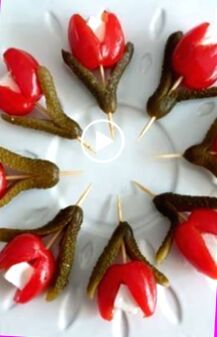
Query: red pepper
{"x": 14, "y": 103}
{"x": 23, "y": 68}
{"x": 29, "y": 248}
{"x": 3, "y": 181}
{"x": 139, "y": 279}
{"x": 88, "y": 49}
{"x": 194, "y": 61}
{"x": 190, "y": 242}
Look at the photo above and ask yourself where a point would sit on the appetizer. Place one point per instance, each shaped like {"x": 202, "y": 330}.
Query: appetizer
{"x": 190, "y": 218}
{"x": 203, "y": 154}
{"x": 189, "y": 72}
{"x": 26, "y": 256}
{"x": 98, "y": 45}
{"x": 22, "y": 88}
{"x": 136, "y": 273}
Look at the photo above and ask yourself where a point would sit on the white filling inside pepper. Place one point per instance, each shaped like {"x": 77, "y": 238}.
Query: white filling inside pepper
{"x": 19, "y": 274}
{"x": 97, "y": 26}
{"x": 211, "y": 243}
{"x": 125, "y": 301}
{"x": 8, "y": 81}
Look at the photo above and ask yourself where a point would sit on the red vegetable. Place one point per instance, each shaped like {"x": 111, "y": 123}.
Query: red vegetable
{"x": 14, "y": 103}
{"x": 140, "y": 280}
{"x": 23, "y": 68}
{"x": 195, "y": 61}
{"x": 190, "y": 242}
{"x": 29, "y": 248}
{"x": 88, "y": 49}
{"x": 3, "y": 181}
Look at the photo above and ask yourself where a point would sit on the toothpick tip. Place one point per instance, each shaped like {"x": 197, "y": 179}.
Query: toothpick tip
{"x": 168, "y": 156}
{"x": 71, "y": 173}
{"x": 143, "y": 188}
{"x": 111, "y": 125}
{"x": 146, "y": 128}
{"x": 120, "y": 209}
{"x": 84, "y": 195}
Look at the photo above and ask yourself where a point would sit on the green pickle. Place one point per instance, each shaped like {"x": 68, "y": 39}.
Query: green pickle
{"x": 106, "y": 259}
{"x": 200, "y": 154}
{"x": 42, "y": 174}
{"x": 66, "y": 254}
{"x": 60, "y": 221}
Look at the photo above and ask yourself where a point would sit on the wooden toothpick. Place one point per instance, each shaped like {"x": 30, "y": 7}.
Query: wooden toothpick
{"x": 102, "y": 74}
{"x": 168, "y": 156}
{"x": 26, "y": 176}
{"x": 42, "y": 109}
{"x": 182, "y": 217}
{"x": 176, "y": 84}
{"x": 84, "y": 195}
{"x": 147, "y": 127}
{"x": 79, "y": 202}
{"x": 121, "y": 219}
{"x": 144, "y": 189}
{"x": 110, "y": 116}
{"x": 18, "y": 177}
{"x": 44, "y": 112}
{"x": 111, "y": 125}
{"x": 87, "y": 145}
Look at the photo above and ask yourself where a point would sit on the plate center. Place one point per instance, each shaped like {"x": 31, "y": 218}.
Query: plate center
{"x": 135, "y": 161}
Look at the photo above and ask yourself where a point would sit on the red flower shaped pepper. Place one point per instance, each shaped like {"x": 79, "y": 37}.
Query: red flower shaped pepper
{"x": 194, "y": 60}
{"x": 29, "y": 248}
{"x": 188, "y": 237}
{"x": 3, "y": 181}
{"x": 89, "y": 50}
{"x": 139, "y": 279}
{"x": 23, "y": 69}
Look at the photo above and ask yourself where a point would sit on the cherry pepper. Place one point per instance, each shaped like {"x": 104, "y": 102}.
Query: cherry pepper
{"x": 29, "y": 248}
{"x": 3, "y": 181}
{"x": 188, "y": 238}
{"x": 91, "y": 51}
{"x": 139, "y": 279}
{"x": 194, "y": 60}
{"x": 23, "y": 69}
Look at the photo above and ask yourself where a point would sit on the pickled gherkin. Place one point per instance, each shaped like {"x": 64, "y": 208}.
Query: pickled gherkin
{"x": 39, "y": 173}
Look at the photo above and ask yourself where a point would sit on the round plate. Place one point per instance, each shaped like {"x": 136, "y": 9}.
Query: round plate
{"x": 186, "y": 309}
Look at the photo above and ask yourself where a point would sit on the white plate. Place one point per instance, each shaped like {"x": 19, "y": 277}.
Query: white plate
{"x": 187, "y": 308}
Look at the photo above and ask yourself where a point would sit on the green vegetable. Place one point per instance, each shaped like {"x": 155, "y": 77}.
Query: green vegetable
{"x": 66, "y": 254}
{"x": 106, "y": 259}
{"x": 60, "y": 221}
{"x": 42, "y": 174}
{"x": 201, "y": 155}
